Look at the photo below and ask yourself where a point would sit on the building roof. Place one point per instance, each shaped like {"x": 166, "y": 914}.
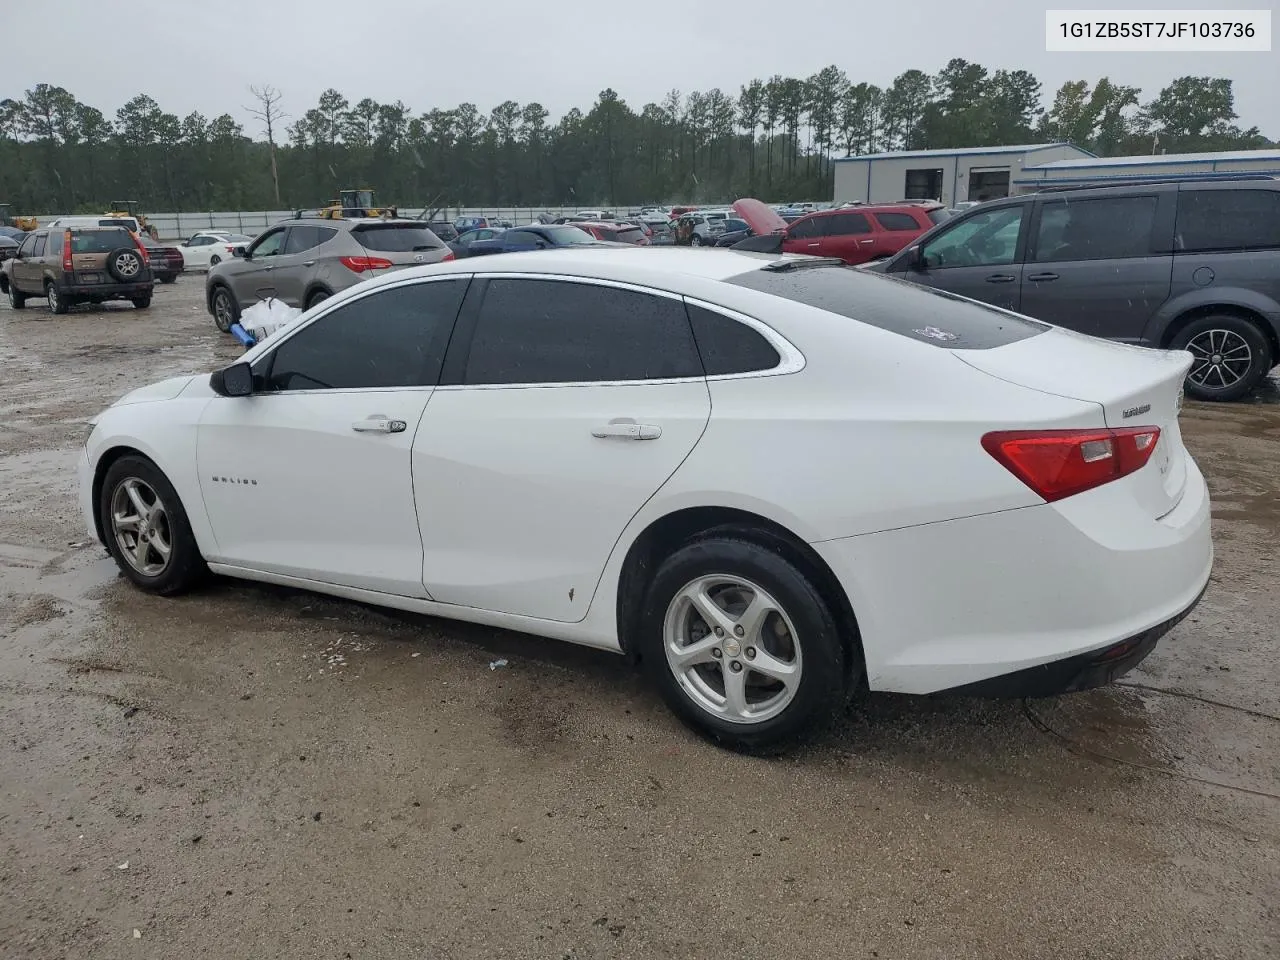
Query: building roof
{"x": 963, "y": 151}
{"x": 1271, "y": 155}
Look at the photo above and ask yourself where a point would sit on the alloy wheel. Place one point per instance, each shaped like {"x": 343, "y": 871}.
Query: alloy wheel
{"x": 1223, "y": 359}
{"x": 52, "y": 294}
{"x": 732, "y": 648}
{"x": 140, "y": 524}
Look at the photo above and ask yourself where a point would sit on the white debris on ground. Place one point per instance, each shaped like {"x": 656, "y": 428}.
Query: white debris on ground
{"x": 495, "y": 664}
{"x": 335, "y": 654}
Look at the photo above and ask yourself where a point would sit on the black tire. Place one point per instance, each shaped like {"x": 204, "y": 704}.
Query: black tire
{"x": 185, "y": 566}
{"x": 815, "y": 644}
{"x": 142, "y": 302}
{"x": 169, "y": 278}
{"x": 316, "y": 297}
{"x": 125, "y": 265}
{"x": 224, "y": 308}
{"x": 4, "y": 283}
{"x": 57, "y": 302}
{"x": 214, "y": 260}
{"x": 695, "y": 241}
{"x": 1240, "y": 346}
{"x": 16, "y": 300}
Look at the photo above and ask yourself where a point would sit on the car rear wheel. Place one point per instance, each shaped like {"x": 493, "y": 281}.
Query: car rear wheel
{"x": 169, "y": 278}
{"x": 741, "y": 644}
{"x": 695, "y": 240}
{"x": 225, "y": 309}
{"x": 1232, "y": 355}
{"x": 316, "y": 297}
{"x": 214, "y": 260}
{"x": 57, "y": 303}
{"x": 142, "y": 302}
{"x": 146, "y": 528}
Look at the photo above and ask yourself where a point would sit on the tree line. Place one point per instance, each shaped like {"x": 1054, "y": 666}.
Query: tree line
{"x": 775, "y": 139}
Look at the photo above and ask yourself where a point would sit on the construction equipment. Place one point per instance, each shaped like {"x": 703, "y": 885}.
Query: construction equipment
{"x": 129, "y": 208}
{"x": 355, "y": 203}
{"x": 21, "y": 223}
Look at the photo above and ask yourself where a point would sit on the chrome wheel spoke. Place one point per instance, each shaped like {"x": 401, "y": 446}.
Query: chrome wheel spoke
{"x": 135, "y": 497}
{"x": 751, "y": 620}
{"x": 735, "y": 694}
{"x": 766, "y": 664}
{"x": 710, "y": 611}
{"x": 690, "y": 655}
{"x": 140, "y": 525}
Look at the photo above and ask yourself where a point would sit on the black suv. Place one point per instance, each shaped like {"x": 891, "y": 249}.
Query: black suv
{"x": 1191, "y": 264}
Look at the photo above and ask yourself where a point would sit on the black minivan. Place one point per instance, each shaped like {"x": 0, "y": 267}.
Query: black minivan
{"x": 1191, "y": 264}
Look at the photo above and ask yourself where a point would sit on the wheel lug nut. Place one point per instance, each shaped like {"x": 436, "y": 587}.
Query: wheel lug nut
{"x": 738, "y": 631}
{"x": 715, "y": 652}
{"x": 751, "y": 653}
{"x": 719, "y": 631}
{"x": 735, "y": 666}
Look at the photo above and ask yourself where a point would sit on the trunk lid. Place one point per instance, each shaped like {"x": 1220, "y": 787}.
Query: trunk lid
{"x": 762, "y": 219}
{"x": 1134, "y": 386}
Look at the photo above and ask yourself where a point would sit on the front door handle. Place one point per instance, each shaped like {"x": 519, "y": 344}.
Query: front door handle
{"x": 1043, "y": 276}
{"x": 872, "y": 240}
{"x": 1000, "y": 278}
{"x": 816, "y": 243}
{"x": 627, "y": 429}
{"x": 308, "y": 263}
{"x": 379, "y": 424}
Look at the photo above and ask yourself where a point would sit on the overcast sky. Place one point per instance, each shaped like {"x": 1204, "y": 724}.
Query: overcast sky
{"x": 438, "y": 53}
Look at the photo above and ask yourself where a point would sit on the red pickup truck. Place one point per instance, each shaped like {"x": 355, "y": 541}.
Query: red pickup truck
{"x": 854, "y": 234}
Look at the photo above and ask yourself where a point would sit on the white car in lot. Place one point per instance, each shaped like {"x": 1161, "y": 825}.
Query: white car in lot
{"x": 209, "y": 248}
{"x": 776, "y": 482}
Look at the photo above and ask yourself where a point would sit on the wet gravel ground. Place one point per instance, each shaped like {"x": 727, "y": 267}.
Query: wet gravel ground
{"x": 254, "y": 772}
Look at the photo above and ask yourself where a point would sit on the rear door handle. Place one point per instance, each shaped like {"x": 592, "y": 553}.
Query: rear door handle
{"x": 379, "y": 424}
{"x": 1043, "y": 276}
{"x": 1000, "y": 278}
{"x": 817, "y": 244}
{"x": 872, "y": 240}
{"x": 627, "y": 429}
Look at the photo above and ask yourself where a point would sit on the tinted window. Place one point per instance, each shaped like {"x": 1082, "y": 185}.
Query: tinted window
{"x": 445, "y": 231}
{"x": 939, "y": 214}
{"x": 843, "y": 224}
{"x": 523, "y": 238}
{"x": 1228, "y": 219}
{"x": 803, "y": 229}
{"x": 99, "y": 241}
{"x": 1108, "y": 228}
{"x": 394, "y": 338}
{"x": 552, "y": 331}
{"x": 396, "y": 238}
{"x": 562, "y": 236}
{"x": 27, "y": 246}
{"x": 728, "y": 346}
{"x": 897, "y": 221}
{"x": 307, "y": 236}
{"x": 985, "y": 239}
{"x": 40, "y": 244}
{"x": 921, "y": 313}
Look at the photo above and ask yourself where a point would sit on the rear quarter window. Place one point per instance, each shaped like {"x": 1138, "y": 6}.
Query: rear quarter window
{"x": 898, "y": 306}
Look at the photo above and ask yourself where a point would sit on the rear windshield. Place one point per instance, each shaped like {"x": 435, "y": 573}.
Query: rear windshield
{"x": 396, "y": 237}
{"x": 100, "y": 241}
{"x": 630, "y": 235}
{"x": 445, "y": 231}
{"x": 940, "y": 214}
{"x": 563, "y": 236}
{"x": 920, "y": 313}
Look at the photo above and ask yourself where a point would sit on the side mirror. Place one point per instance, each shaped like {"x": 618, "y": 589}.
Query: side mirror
{"x": 915, "y": 259}
{"x": 241, "y": 251}
{"x": 233, "y": 381}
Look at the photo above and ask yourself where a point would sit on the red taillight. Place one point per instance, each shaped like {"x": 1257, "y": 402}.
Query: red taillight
{"x": 231, "y": 248}
{"x": 1061, "y": 463}
{"x": 67, "y": 266}
{"x": 448, "y": 256}
{"x": 361, "y": 264}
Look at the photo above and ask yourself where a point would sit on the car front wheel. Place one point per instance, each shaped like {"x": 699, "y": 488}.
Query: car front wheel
{"x": 146, "y": 529}
{"x": 741, "y": 644}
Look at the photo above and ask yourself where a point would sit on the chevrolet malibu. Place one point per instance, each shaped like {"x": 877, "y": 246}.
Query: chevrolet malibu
{"x": 776, "y": 482}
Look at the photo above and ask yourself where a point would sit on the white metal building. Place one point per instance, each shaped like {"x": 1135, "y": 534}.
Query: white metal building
{"x": 1065, "y": 172}
{"x": 952, "y": 176}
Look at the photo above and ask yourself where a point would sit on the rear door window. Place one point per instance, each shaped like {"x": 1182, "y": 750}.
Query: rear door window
{"x": 925, "y": 314}
{"x": 844, "y": 224}
{"x": 554, "y": 331}
{"x": 396, "y": 238}
{"x": 1105, "y": 228}
{"x": 40, "y": 246}
{"x": 1214, "y": 220}
{"x": 390, "y": 339}
{"x": 306, "y": 236}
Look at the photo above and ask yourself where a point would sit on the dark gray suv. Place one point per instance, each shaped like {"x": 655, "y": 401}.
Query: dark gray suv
{"x": 1192, "y": 264}
{"x": 307, "y": 259}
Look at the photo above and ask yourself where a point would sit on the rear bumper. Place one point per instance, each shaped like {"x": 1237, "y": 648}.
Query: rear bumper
{"x": 1036, "y": 598}
{"x": 1083, "y": 672}
{"x": 106, "y": 291}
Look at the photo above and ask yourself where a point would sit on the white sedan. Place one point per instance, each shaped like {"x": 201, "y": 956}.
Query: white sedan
{"x": 208, "y": 249}
{"x": 776, "y": 482}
